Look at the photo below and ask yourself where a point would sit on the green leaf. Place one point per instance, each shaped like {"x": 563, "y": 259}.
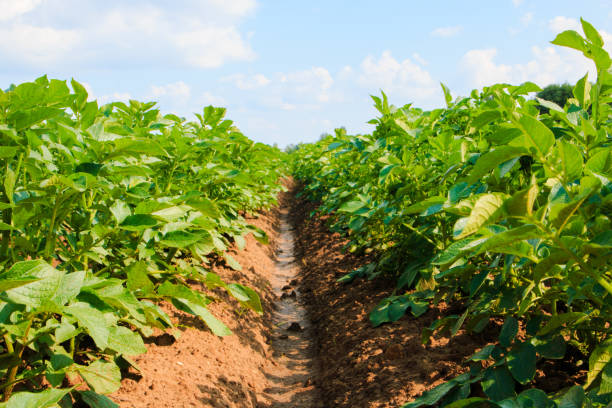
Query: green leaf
{"x": 508, "y": 332}
{"x": 486, "y": 117}
{"x": 92, "y": 320}
{"x": 452, "y": 252}
{"x": 538, "y": 136}
{"x": 95, "y": 400}
{"x": 522, "y": 362}
{"x": 48, "y": 284}
{"x": 138, "y": 278}
{"x": 500, "y": 242}
{"x": 571, "y": 39}
{"x": 483, "y": 354}
{"x": 521, "y": 203}
{"x": 574, "y": 398}
{"x": 124, "y": 341}
{"x": 550, "y": 105}
{"x": 8, "y": 152}
{"x": 559, "y": 320}
{"x": 421, "y": 206}
{"x": 214, "y": 324}
{"x": 205, "y": 206}
{"x": 447, "y": 95}
{"x": 102, "y": 376}
{"x": 8, "y": 283}
{"x": 560, "y": 214}
{"x": 474, "y": 402}
{"x": 570, "y": 161}
{"x": 120, "y": 211}
{"x": 498, "y": 383}
{"x": 44, "y": 399}
{"x": 138, "y": 222}
{"x": 591, "y": 33}
{"x": 582, "y": 91}
{"x": 434, "y": 395}
{"x": 232, "y": 263}
{"x": 600, "y": 162}
{"x": 599, "y": 358}
{"x": 553, "y": 348}
{"x": 351, "y": 206}
{"x": 534, "y": 398}
{"x": 247, "y": 296}
{"x": 606, "y": 380}
{"x": 179, "y": 239}
{"x": 486, "y": 211}
{"x": 10, "y": 178}
{"x": 171, "y": 214}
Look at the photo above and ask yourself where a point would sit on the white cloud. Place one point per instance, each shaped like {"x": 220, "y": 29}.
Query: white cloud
{"x": 114, "y": 97}
{"x": 84, "y": 34}
{"x": 446, "y": 32}
{"x": 404, "y": 80}
{"x": 14, "y": 8}
{"x": 527, "y": 18}
{"x": 235, "y": 7}
{"x": 390, "y": 73}
{"x": 417, "y": 57}
{"x": 517, "y": 2}
{"x": 177, "y": 90}
{"x": 36, "y": 45}
{"x": 247, "y": 83}
{"x": 548, "y": 65}
{"x": 316, "y": 82}
{"x": 210, "y": 47}
{"x": 208, "y": 98}
{"x": 561, "y": 23}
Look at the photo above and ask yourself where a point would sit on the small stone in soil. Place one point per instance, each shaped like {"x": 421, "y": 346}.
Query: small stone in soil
{"x": 286, "y": 287}
{"x": 283, "y": 337}
{"x": 295, "y": 326}
{"x": 293, "y": 282}
{"x": 293, "y": 294}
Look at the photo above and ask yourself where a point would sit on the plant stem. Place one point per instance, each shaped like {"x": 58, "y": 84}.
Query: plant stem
{"x": 50, "y": 244}
{"x": 13, "y": 370}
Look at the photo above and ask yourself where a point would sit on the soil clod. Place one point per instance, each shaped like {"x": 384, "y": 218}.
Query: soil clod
{"x": 295, "y": 327}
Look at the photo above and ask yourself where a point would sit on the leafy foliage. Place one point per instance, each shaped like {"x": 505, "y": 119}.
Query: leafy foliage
{"x": 107, "y": 210}
{"x": 492, "y": 203}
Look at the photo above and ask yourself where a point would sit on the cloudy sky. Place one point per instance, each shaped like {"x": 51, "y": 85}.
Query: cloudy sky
{"x": 291, "y": 70}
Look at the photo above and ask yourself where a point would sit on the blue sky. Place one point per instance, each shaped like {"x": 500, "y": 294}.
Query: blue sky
{"x": 290, "y": 70}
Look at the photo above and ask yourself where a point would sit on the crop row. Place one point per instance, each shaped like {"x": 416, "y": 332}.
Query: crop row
{"x": 106, "y": 211}
{"x": 496, "y": 205}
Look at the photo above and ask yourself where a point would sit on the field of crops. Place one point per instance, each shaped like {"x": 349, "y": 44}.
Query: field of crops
{"x": 499, "y": 204}
{"x": 107, "y": 210}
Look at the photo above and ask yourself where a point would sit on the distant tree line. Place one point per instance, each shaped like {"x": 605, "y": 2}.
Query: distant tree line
{"x": 557, "y": 93}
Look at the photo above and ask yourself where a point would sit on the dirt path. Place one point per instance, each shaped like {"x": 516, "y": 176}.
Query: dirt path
{"x": 262, "y": 364}
{"x": 292, "y": 345}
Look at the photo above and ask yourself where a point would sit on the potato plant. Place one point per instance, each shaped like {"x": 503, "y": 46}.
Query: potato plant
{"x": 493, "y": 204}
{"x": 105, "y": 212}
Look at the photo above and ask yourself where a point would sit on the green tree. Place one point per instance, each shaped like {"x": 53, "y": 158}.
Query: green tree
{"x": 556, "y": 93}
